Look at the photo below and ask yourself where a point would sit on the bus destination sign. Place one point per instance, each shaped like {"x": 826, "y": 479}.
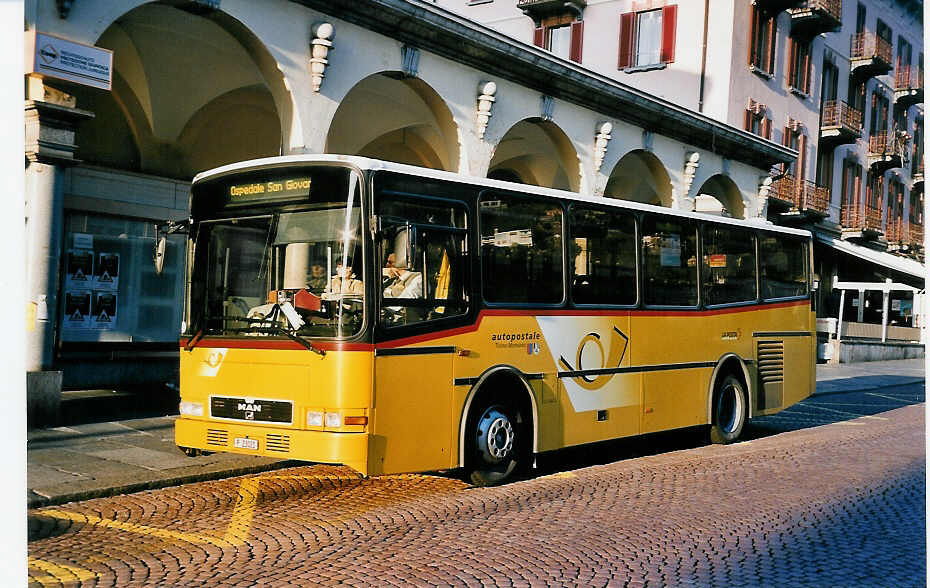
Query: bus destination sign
{"x": 271, "y": 191}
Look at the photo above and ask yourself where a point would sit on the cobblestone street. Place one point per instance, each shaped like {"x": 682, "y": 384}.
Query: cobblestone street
{"x": 841, "y": 503}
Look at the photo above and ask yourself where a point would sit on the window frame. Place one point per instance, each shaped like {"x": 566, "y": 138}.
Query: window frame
{"x": 799, "y": 66}
{"x": 479, "y": 264}
{"x": 808, "y": 246}
{"x": 637, "y": 270}
{"x": 763, "y": 32}
{"x": 642, "y": 261}
{"x": 629, "y": 38}
{"x": 757, "y": 267}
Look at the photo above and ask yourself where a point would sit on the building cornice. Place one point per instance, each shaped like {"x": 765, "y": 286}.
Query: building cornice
{"x": 431, "y": 28}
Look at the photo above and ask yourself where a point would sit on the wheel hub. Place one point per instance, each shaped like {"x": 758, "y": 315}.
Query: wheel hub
{"x": 495, "y": 436}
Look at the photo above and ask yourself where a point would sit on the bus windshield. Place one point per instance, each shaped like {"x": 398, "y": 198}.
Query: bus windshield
{"x": 291, "y": 272}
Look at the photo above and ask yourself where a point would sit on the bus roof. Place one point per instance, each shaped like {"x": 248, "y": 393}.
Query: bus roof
{"x": 365, "y": 163}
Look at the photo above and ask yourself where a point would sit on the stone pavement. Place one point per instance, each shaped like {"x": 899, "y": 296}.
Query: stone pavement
{"x": 79, "y": 462}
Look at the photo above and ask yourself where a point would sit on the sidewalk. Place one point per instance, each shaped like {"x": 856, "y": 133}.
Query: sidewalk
{"x": 104, "y": 459}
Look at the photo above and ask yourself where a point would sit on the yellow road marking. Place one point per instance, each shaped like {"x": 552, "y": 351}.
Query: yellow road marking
{"x": 241, "y": 521}
{"x": 194, "y": 538}
{"x": 58, "y": 573}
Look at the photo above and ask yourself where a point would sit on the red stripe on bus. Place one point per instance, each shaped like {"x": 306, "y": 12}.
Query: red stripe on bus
{"x": 491, "y": 312}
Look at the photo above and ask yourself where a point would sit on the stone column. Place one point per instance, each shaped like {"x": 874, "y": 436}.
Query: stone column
{"x": 50, "y": 123}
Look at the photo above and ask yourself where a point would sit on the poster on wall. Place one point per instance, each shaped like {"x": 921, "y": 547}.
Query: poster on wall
{"x": 104, "y": 310}
{"x": 77, "y": 310}
{"x": 106, "y": 272}
{"x": 80, "y": 269}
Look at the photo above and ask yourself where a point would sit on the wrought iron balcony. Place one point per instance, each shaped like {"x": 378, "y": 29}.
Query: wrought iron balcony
{"x": 914, "y": 236}
{"x": 908, "y": 87}
{"x": 776, "y": 6}
{"x": 861, "y": 221}
{"x": 540, "y": 8}
{"x": 814, "y": 17}
{"x": 813, "y": 198}
{"x": 784, "y": 190}
{"x": 840, "y": 124}
{"x": 869, "y": 55}
{"x": 886, "y": 150}
{"x": 894, "y": 231}
{"x": 917, "y": 170}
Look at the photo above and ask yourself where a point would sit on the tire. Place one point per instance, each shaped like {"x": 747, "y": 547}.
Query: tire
{"x": 730, "y": 410}
{"x": 496, "y": 441}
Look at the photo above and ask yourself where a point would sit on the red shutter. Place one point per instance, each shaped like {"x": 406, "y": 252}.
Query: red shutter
{"x": 574, "y": 52}
{"x": 770, "y": 47}
{"x": 802, "y": 158}
{"x": 669, "y": 19}
{"x": 747, "y": 120}
{"x": 538, "y": 36}
{"x": 752, "y": 36}
{"x": 626, "y": 40}
{"x": 806, "y": 75}
{"x": 767, "y": 128}
{"x": 792, "y": 56}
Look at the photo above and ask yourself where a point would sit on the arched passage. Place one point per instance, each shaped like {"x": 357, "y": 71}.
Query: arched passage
{"x": 537, "y": 152}
{"x": 720, "y": 195}
{"x": 641, "y": 177}
{"x": 176, "y": 109}
{"x": 391, "y": 117}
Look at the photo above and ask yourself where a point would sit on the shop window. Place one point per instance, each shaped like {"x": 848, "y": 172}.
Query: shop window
{"x": 111, "y": 291}
{"x": 762, "y": 41}
{"x": 647, "y": 38}
{"x": 603, "y": 250}
{"x": 729, "y": 272}
{"x": 669, "y": 261}
{"x": 799, "y": 66}
{"x": 521, "y": 250}
{"x": 562, "y": 36}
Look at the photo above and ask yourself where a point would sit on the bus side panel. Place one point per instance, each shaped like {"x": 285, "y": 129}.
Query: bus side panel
{"x": 675, "y": 395}
{"x": 412, "y": 414}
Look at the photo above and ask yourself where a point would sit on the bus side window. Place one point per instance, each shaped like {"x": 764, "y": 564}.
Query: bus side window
{"x": 729, "y": 268}
{"x": 784, "y": 266}
{"x": 669, "y": 261}
{"x": 521, "y": 250}
{"x": 603, "y": 254}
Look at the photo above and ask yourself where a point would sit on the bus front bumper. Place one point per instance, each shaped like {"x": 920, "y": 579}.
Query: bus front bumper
{"x": 350, "y": 449}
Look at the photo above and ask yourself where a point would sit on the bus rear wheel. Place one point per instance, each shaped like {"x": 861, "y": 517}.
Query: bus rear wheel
{"x": 496, "y": 443}
{"x": 730, "y": 409}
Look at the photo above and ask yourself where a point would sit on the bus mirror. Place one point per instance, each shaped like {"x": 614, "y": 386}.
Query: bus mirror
{"x": 160, "y": 245}
{"x": 161, "y": 240}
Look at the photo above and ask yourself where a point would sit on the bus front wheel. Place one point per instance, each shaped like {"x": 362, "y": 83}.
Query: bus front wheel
{"x": 496, "y": 443}
{"x": 729, "y": 410}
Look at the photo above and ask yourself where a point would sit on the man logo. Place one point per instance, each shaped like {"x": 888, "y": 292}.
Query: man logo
{"x": 246, "y": 406}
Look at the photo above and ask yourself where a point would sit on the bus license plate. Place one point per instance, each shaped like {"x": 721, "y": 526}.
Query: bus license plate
{"x": 242, "y": 443}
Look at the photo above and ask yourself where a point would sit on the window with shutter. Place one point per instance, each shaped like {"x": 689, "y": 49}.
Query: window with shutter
{"x": 799, "y": 61}
{"x": 761, "y": 41}
{"x": 647, "y": 38}
{"x": 560, "y": 35}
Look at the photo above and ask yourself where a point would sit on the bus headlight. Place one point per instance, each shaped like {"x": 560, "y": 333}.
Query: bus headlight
{"x": 314, "y": 418}
{"x": 333, "y": 420}
{"x": 191, "y": 408}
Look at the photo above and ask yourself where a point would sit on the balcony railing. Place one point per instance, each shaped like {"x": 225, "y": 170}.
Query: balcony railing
{"x": 914, "y": 235}
{"x": 869, "y": 46}
{"x": 908, "y": 78}
{"x": 837, "y": 113}
{"x": 801, "y": 194}
{"x": 861, "y": 218}
{"x": 886, "y": 144}
{"x": 817, "y": 16}
{"x": 784, "y": 189}
{"x": 894, "y": 231}
{"x": 813, "y": 197}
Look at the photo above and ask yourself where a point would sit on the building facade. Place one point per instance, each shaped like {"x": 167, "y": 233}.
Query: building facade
{"x": 197, "y": 84}
{"x": 838, "y": 81}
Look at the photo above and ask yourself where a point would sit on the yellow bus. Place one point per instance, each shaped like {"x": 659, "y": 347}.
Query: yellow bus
{"x": 398, "y": 319}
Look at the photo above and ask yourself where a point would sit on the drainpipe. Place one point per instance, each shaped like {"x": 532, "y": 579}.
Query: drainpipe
{"x": 703, "y": 57}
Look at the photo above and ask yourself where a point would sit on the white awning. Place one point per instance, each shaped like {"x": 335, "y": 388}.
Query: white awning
{"x": 895, "y": 262}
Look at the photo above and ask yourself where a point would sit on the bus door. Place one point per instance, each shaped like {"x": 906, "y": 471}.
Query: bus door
{"x": 421, "y": 245}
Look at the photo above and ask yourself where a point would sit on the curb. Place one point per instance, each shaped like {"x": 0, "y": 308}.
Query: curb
{"x": 38, "y": 501}
{"x": 870, "y": 388}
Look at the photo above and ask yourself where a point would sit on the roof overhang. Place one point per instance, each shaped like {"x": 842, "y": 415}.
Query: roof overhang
{"x": 430, "y": 28}
{"x": 894, "y": 262}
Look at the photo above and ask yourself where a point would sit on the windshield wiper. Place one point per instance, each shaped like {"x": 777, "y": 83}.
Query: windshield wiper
{"x": 278, "y": 330}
